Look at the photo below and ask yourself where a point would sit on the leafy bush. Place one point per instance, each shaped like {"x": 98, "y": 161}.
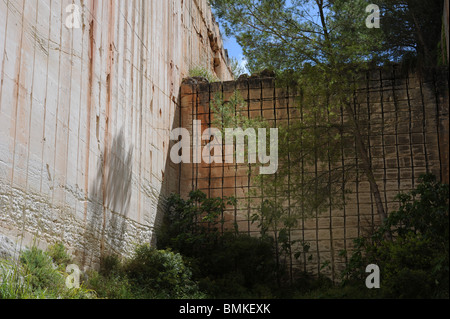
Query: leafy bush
{"x": 190, "y": 226}
{"x": 40, "y": 267}
{"x": 415, "y": 263}
{"x": 160, "y": 274}
{"x": 110, "y": 265}
{"x": 110, "y": 285}
{"x": 148, "y": 274}
{"x": 240, "y": 266}
{"x": 59, "y": 255}
{"x": 13, "y": 284}
{"x": 226, "y": 264}
{"x": 37, "y": 275}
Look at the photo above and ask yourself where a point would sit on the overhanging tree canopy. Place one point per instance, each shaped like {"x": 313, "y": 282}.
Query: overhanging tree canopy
{"x": 323, "y": 45}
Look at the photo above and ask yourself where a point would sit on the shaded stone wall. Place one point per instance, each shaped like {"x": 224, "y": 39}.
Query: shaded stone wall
{"x": 406, "y": 117}
{"x": 85, "y": 116}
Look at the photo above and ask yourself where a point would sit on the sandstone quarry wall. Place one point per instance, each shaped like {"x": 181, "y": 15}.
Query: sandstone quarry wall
{"x": 85, "y": 116}
{"x": 405, "y": 117}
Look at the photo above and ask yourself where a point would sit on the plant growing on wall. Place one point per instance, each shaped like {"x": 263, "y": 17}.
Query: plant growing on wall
{"x": 199, "y": 71}
{"x": 305, "y": 193}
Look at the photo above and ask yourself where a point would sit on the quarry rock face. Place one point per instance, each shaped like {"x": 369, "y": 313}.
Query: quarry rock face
{"x": 405, "y": 119}
{"x": 89, "y": 92}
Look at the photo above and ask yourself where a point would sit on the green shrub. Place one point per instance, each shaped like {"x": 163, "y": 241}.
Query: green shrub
{"x": 227, "y": 264}
{"x": 111, "y": 265}
{"x": 239, "y": 266}
{"x": 148, "y": 274}
{"x": 415, "y": 264}
{"x": 191, "y": 226}
{"x": 110, "y": 285}
{"x": 250, "y": 256}
{"x": 199, "y": 71}
{"x": 160, "y": 274}
{"x": 110, "y": 281}
{"x": 39, "y": 266}
{"x": 59, "y": 255}
{"x": 13, "y": 283}
{"x": 37, "y": 275}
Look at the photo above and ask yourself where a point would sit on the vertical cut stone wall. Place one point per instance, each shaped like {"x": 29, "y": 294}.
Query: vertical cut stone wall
{"x": 85, "y": 116}
{"x": 406, "y": 117}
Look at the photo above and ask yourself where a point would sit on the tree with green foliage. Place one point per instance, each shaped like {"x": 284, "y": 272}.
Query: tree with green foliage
{"x": 413, "y": 31}
{"x": 323, "y": 48}
{"x": 287, "y": 35}
{"x": 236, "y": 68}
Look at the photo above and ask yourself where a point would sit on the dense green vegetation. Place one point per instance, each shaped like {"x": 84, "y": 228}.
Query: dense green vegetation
{"x": 416, "y": 263}
{"x": 324, "y": 48}
{"x": 196, "y": 258}
{"x": 148, "y": 274}
{"x": 39, "y": 275}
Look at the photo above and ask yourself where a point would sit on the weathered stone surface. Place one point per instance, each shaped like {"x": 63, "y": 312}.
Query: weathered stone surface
{"x": 85, "y": 116}
{"x": 407, "y": 135}
{"x": 8, "y": 249}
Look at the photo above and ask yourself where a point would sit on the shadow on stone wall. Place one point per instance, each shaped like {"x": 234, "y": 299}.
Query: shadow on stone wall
{"x": 170, "y": 176}
{"x": 109, "y": 202}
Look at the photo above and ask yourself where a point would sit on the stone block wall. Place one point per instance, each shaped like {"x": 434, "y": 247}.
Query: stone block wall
{"x": 85, "y": 116}
{"x": 406, "y": 120}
